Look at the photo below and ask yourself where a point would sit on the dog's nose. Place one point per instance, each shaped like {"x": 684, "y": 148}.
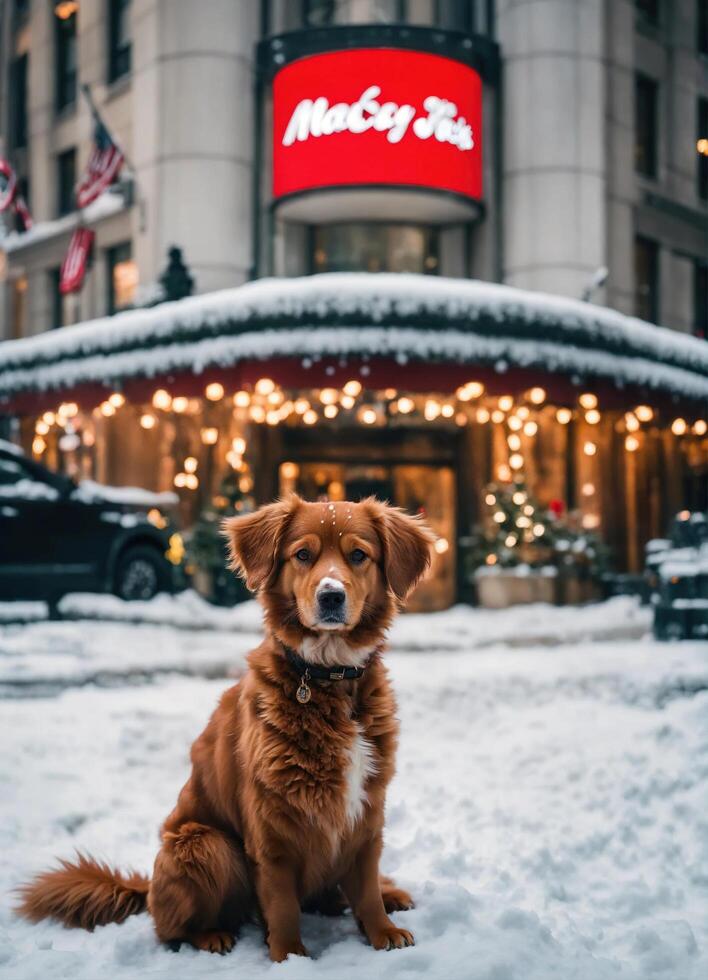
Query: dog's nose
{"x": 331, "y": 600}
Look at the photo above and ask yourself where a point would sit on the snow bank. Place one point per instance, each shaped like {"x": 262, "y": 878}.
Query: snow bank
{"x": 90, "y": 492}
{"x": 340, "y": 314}
{"x": 548, "y": 814}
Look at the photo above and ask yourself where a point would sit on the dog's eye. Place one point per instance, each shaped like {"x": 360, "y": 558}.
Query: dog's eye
{"x": 303, "y": 555}
{"x": 357, "y": 556}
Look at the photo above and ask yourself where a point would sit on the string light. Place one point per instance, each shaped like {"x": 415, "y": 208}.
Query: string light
{"x": 538, "y": 530}
{"x": 272, "y": 417}
{"x": 49, "y": 418}
{"x": 147, "y": 421}
{"x": 516, "y": 461}
{"x": 500, "y": 517}
{"x": 514, "y": 423}
{"x": 180, "y": 480}
{"x": 368, "y": 416}
{"x": 514, "y": 442}
{"x": 264, "y": 386}
{"x": 491, "y": 560}
{"x": 180, "y": 404}
{"x": 506, "y": 403}
{"x": 530, "y": 429}
{"x": 161, "y": 399}
{"x": 497, "y": 416}
{"x": 447, "y": 410}
{"x": 631, "y": 444}
{"x": 564, "y": 415}
{"x": 523, "y": 411}
{"x": 257, "y": 413}
{"x": 537, "y": 396}
{"x": 214, "y": 391}
{"x": 678, "y": 426}
{"x": 347, "y": 401}
{"x": 242, "y": 399}
{"x": 191, "y": 481}
{"x": 239, "y": 445}
{"x": 589, "y": 448}
{"x": 277, "y": 398}
{"x": 290, "y": 470}
{"x": 700, "y": 427}
{"x": 644, "y": 413}
{"x": 631, "y": 422}
{"x": 510, "y": 540}
{"x": 41, "y": 428}
{"x": 309, "y": 417}
{"x": 116, "y": 399}
{"x": 441, "y": 545}
{"x": 592, "y": 416}
{"x": 588, "y": 489}
{"x": 482, "y": 415}
{"x": 390, "y": 393}
{"x": 69, "y": 409}
{"x": 352, "y": 388}
{"x": 190, "y": 464}
{"x": 490, "y": 500}
{"x": 470, "y": 390}
{"x": 431, "y": 410}
{"x": 209, "y": 435}
{"x": 588, "y": 400}
{"x": 301, "y": 406}
{"x": 518, "y": 497}
{"x": 330, "y": 411}
{"x": 405, "y": 405}
{"x": 38, "y": 445}
{"x": 461, "y": 419}
{"x": 107, "y": 409}
{"x": 328, "y": 396}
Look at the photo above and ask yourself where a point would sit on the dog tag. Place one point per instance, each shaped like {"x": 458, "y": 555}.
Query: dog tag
{"x": 303, "y": 692}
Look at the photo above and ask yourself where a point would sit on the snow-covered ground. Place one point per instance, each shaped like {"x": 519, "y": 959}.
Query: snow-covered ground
{"x": 550, "y": 812}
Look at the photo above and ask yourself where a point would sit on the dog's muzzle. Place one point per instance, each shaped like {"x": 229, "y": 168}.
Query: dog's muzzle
{"x": 331, "y": 602}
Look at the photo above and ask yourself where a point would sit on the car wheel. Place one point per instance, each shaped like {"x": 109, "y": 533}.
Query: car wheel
{"x": 140, "y": 574}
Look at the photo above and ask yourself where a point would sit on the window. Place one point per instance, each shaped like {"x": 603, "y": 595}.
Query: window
{"x": 646, "y": 279}
{"x": 19, "y": 306}
{"x": 119, "y": 39}
{"x": 316, "y": 13}
{"x": 702, "y": 148}
{"x": 23, "y": 192}
{"x": 702, "y": 26}
{"x": 65, "y": 36}
{"x": 18, "y": 102}
{"x": 648, "y": 11}
{"x": 122, "y": 277}
{"x": 66, "y": 179}
{"x": 700, "y": 299}
{"x": 454, "y": 15}
{"x": 374, "y": 248}
{"x": 645, "y": 125}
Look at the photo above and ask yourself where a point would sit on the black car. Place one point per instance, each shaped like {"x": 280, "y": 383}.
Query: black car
{"x": 59, "y": 536}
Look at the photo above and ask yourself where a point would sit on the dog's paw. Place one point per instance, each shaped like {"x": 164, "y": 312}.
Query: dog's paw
{"x": 214, "y": 941}
{"x": 396, "y": 899}
{"x": 281, "y": 951}
{"x": 391, "y": 937}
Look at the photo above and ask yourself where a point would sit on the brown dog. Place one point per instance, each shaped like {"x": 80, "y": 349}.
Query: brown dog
{"x": 284, "y": 807}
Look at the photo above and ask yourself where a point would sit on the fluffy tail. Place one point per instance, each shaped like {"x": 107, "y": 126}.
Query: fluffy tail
{"x": 83, "y": 894}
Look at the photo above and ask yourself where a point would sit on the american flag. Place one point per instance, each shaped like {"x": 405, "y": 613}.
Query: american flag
{"x": 102, "y": 168}
{"x": 10, "y": 196}
{"x": 73, "y": 268}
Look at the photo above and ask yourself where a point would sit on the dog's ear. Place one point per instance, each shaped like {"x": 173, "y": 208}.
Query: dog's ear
{"x": 406, "y": 544}
{"x": 254, "y": 541}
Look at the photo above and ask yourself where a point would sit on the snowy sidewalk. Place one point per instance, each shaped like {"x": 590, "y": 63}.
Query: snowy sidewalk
{"x": 44, "y": 657}
{"x": 549, "y": 812}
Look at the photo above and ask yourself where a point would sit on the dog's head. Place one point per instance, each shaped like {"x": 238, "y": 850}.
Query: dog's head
{"x": 329, "y": 568}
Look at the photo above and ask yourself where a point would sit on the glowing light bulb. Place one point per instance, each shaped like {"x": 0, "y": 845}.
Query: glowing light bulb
{"x": 209, "y": 435}
{"x": 564, "y": 415}
{"x": 514, "y": 423}
{"x": 530, "y": 429}
{"x": 328, "y": 396}
{"x": 631, "y": 444}
{"x": 330, "y": 411}
{"x": 214, "y": 391}
{"x": 190, "y": 465}
{"x": 631, "y": 422}
{"x": 644, "y": 413}
{"x": 497, "y": 416}
{"x": 352, "y": 388}
{"x": 589, "y": 448}
{"x": 490, "y": 499}
{"x": 347, "y": 401}
{"x": 147, "y": 421}
{"x": 516, "y": 461}
{"x": 482, "y": 416}
{"x": 506, "y": 403}
{"x": 537, "y": 396}
{"x": 180, "y": 404}
{"x": 588, "y": 400}
{"x": 257, "y": 413}
{"x": 499, "y": 516}
{"x": 310, "y": 417}
{"x": 514, "y": 442}
{"x": 678, "y": 426}
{"x": 441, "y": 545}
{"x": 161, "y": 399}
{"x": 405, "y": 405}
{"x": 700, "y": 427}
{"x": 116, "y": 399}
{"x": 242, "y": 399}
{"x": 592, "y": 416}
{"x": 368, "y": 416}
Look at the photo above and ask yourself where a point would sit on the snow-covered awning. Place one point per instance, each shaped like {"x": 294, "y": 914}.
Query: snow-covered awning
{"x": 402, "y": 317}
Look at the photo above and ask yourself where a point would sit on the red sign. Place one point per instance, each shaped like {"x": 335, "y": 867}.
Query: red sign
{"x": 377, "y": 116}
{"x": 73, "y": 268}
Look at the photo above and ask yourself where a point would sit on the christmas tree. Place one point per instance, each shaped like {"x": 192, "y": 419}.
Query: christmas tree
{"x": 207, "y": 547}
{"x": 517, "y": 530}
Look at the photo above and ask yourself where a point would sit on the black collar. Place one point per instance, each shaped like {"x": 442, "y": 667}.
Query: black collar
{"x": 317, "y": 673}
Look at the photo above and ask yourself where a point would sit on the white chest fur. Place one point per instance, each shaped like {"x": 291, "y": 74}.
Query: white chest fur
{"x": 361, "y": 766}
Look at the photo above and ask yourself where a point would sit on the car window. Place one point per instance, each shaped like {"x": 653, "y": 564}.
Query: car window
{"x": 16, "y": 482}
{"x": 10, "y": 471}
